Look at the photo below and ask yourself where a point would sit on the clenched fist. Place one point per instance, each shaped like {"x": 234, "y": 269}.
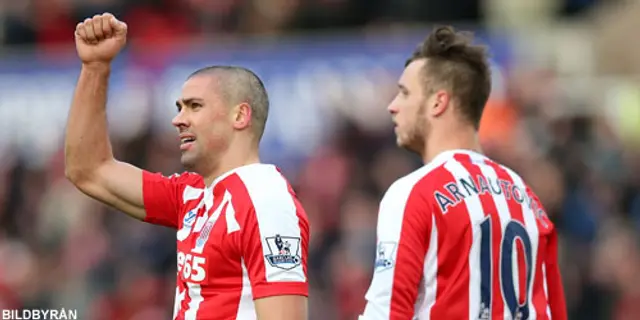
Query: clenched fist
{"x": 99, "y": 39}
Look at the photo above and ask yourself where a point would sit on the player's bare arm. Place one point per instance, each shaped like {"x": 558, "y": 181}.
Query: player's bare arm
{"x": 285, "y": 307}
{"x": 89, "y": 161}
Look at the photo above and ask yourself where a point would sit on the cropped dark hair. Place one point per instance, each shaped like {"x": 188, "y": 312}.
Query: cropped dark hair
{"x": 239, "y": 84}
{"x": 454, "y": 63}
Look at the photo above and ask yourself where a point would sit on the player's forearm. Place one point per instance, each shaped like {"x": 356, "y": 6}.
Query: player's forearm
{"x": 87, "y": 143}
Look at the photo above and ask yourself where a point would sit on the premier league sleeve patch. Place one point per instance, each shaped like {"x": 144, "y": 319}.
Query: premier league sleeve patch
{"x": 385, "y": 255}
{"x": 284, "y": 252}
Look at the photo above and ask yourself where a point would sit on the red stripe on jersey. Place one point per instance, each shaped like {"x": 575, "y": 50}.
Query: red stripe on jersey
{"x": 539, "y": 299}
{"x": 489, "y": 207}
{"x": 556, "y": 299}
{"x": 251, "y": 230}
{"x": 452, "y": 295}
{"x": 182, "y": 297}
{"x": 412, "y": 250}
{"x": 240, "y": 198}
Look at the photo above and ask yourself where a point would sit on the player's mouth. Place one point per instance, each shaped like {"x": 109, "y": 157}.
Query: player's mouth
{"x": 186, "y": 141}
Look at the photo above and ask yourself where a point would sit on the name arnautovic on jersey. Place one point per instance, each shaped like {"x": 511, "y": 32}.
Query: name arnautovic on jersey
{"x": 467, "y": 187}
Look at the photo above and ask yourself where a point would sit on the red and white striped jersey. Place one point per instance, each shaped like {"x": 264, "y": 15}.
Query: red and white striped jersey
{"x": 464, "y": 238}
{"x": 242, "y": 238}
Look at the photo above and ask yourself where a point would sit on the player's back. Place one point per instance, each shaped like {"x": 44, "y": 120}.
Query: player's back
{"x": 472, "y": 242}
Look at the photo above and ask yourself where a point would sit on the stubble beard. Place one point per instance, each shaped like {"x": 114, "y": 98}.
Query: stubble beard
{"x": 189, "y": 159}
{"x": 418, "y": 134}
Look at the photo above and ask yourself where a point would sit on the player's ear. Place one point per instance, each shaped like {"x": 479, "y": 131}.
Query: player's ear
{"x": 439, "y": 102}
{"x": 241, "y": 114}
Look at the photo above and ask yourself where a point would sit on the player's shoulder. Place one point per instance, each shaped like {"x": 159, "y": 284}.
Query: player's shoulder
{"x": 531, "y": 200}
{"x": 262, "y": 180}
{"x": 419, "y": 181}
{"x": 517, "y": 181}
{"x": 184, "y": 179}
{"x": 467, "y": 159}
{"x": 191, "y": 184}
{"x": 411, "y": 190}
{"x": 187, "y": 178}
{"x": 262, "y": 185}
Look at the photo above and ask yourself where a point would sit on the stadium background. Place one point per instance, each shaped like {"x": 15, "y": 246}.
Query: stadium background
{"x": 565, "y": 113}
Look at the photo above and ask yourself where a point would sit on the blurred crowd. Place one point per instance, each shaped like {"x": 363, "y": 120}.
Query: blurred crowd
{"x": 58, "y": 248}
{"x": 46, "y": 22}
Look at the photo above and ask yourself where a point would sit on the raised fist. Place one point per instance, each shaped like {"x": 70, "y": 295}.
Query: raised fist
{"x": 99, "y": 39}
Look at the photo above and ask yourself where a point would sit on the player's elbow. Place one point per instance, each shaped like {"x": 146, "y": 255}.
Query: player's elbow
{"x": 75, "y": 175}
{"x": 81, "y": 177}
{"x": 79, "y": 168}
{"x": 83, "y": 181}
{"x": 81, "y": 173}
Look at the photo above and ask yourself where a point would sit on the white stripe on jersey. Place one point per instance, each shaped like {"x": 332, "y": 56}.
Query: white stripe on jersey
{"x": 178, "y": 301}
{"x": 278, "y": 201}
{"x": 246, "y": 309}
{"x": 232, "y": 222}
{"x": 191, "y": 193}
{"x": 195, "y": 295}
{"x": 546, "y": 289}
{"x": 476, "y": 216}
{"x": 532, "y": 228}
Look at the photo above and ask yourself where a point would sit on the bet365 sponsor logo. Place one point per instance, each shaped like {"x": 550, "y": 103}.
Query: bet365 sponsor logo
{"x": 192, "y": 267}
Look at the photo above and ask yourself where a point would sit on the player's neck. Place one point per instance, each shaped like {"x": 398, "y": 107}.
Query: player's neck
{"x": 235, "y": 157}
{"x": 439, "y": 141}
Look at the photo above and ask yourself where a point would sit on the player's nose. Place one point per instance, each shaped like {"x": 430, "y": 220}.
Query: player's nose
{"x": 392, "y": 108}
{"x": 180, "y": 120}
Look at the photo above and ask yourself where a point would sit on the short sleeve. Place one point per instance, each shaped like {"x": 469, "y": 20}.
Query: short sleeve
{"x": 275, "y": 241}
{"x": 162, "y": 198}
{"x": 404, "y": 236}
